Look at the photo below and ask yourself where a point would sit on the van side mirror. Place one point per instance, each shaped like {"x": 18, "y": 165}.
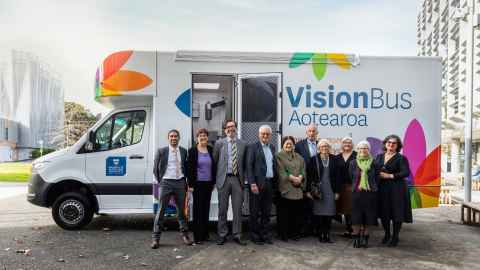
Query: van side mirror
{"x": 89, "y": 146}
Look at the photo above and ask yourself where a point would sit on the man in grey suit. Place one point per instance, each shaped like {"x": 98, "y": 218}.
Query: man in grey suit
{"x": 169, "y": 170}
{"x": 261, "y": 175}
{"x": 229, "y": 154}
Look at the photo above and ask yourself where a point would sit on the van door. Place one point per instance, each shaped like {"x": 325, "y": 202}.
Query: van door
{"x": 259, "y": 103}
{"x": 117, "y": 165}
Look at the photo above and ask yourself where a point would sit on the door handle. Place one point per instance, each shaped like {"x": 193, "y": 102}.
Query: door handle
{"x": 136, "y": 157}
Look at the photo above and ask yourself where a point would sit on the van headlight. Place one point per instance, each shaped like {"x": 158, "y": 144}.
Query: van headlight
{"x": 38, "y": 166}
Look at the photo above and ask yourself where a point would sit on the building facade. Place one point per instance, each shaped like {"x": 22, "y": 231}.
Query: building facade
{"x": 31, "y": 106}
{"x": 443, "y": 29}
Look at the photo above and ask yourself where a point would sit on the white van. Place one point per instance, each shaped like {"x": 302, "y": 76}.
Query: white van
{"x": 109, "y": 170}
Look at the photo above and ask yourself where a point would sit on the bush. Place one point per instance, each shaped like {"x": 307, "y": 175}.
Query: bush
{"x": 36, "y": 153}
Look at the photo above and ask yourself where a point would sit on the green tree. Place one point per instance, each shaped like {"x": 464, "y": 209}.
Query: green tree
{"x": 77, "y": 121}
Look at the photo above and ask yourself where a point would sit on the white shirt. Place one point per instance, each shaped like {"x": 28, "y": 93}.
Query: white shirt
{"x": 171, "y": 171}
{"x": 312, "y": 147}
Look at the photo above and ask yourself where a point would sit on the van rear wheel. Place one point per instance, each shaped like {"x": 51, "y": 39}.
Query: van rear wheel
{"x": 72, "y": 211}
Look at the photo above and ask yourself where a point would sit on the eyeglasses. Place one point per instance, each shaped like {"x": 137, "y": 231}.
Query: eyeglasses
{"x": 231, "y": 126}
{"x": 391, "y": 142}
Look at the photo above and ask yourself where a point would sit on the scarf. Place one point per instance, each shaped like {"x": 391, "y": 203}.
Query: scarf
{"x": 364, "y": 163}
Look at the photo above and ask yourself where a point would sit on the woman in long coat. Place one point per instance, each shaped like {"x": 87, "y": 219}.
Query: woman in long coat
{"x": 394, "y": 203}
{"x": 344, "y": 203}
{"x": 323, "y": 184}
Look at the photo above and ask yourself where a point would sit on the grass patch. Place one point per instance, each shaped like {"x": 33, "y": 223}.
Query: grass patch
{"x": 15, "y": 172}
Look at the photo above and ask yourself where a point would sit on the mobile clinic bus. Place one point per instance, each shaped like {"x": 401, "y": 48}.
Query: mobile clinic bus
{"x": 109, "y": 170}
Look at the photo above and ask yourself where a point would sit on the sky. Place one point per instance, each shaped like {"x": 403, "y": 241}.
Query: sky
{"x": 73, "y": 37}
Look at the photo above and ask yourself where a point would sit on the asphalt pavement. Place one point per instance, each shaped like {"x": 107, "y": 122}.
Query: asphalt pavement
{"x": 29, "y": 239}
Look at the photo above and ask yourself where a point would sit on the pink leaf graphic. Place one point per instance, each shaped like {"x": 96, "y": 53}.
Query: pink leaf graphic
{"x": 414, "y": 145}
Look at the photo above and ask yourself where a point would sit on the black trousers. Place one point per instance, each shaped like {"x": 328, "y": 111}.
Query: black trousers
{"x": 289, "y": 217}
{"x": 323, "y": 224}
{"x": 202, "y": 194}
{"x": 308, "y": 223}
{"x": 260, "y": 210}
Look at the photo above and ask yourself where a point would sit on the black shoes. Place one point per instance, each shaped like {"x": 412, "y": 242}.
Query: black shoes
{"x": 221, "y": 240}
{"x": 386, "y": 239}
{"x": 239, "y": 241}
{"x": 393, "y": 242}
{"x": 325, "y": 238}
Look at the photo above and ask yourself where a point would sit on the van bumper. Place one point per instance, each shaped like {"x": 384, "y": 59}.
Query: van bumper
{"x": 37, "y": 190}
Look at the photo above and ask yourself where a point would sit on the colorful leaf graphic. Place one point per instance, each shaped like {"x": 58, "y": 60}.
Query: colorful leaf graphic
{"x": 319, "y": 65}
{"x": 428, "y": 173}
{"x": 114, "y": 62}
{"x": 375, "y": 145}
{"x": 340, "y": 59}
{"x": 126, "y": 80}
{"x": 414, "y": 145}
{"x": 183, "y": 102}
{"x": 299, "y": 59}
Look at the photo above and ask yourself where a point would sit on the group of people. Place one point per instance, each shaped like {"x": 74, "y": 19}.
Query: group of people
{"x": 308, "y": 184}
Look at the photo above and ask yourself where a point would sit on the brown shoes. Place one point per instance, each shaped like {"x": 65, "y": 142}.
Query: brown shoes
{"x": 186, "y": 239}
{"x": 155, "y": 244}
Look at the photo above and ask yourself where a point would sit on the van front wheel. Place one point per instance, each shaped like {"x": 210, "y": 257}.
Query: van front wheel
{"x": 72, "y": 211}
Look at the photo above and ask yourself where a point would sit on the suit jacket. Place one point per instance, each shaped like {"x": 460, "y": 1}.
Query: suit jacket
{"x": 301, "y": 147}
{"x": 314, "y": 174}
{"x": 220, "y": 156}
{"x": 160, "y": 162}
{"x": 257, "y": 165}
{"x": 192, "y": 166}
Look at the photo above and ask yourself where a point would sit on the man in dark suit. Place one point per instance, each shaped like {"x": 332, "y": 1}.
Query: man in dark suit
{"x": 261, "y": 172}
{"x": 229, "y": 155}
{"x": 169, "y": 170}
{"x": 307, "y": 148}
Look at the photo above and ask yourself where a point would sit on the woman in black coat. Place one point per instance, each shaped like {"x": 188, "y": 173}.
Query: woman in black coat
{"x": 201, "y": 172}
{"x": 344, "y": 203}
{"x": 394, "y": 202}
{"x": 323, "y": 186}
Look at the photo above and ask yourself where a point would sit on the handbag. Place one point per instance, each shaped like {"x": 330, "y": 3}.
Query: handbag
{"x": 315, "y": 185}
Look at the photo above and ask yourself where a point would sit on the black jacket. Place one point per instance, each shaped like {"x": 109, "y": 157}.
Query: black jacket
{"x": 314, "y": 174}
{"x": 257, "y": 165}
{"x": 397, "y": 165}
{"x": 343, "y": 167}
{"x": 192, "y": 166}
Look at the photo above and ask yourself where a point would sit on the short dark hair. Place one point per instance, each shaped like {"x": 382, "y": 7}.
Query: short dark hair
{"x": 173, "y": 130}
{"x": 393, "y": 136}
{"x": 286, "y": 138}
{"x": 229, "y": 121}
{"x": 201, "y": 131}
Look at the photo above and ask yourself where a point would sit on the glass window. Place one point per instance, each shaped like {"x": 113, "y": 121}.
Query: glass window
{"x": 122, "y": 129}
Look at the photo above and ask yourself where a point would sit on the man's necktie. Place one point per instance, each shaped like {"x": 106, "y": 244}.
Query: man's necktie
{"x": 177, "y": 164}
{"x": 234, "y": 158}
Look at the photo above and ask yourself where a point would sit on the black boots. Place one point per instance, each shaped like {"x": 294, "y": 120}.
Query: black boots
{"x": 356, "y": 240}
{"x": 391, "y": 240}
{"x": 364, "y": 240}
{"x": 360, "y": 240}
{"x": 396, "y": 231}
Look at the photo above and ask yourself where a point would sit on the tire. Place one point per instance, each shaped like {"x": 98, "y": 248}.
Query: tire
{"x": 72, "y": 211}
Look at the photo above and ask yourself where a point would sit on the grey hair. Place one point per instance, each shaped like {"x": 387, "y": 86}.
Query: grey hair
{"x": 265, "y": 127}
{"x": 312, "y": 125}
{"x": 322, "y": 141}
{"x": 347, "y": 138}
{"x": 363, "y": 143}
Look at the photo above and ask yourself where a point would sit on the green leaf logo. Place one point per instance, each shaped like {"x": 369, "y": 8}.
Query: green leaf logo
{"x": 320, "y": 61}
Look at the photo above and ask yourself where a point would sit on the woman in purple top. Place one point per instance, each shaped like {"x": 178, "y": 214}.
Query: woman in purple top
{"x": 201, "y": 180}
